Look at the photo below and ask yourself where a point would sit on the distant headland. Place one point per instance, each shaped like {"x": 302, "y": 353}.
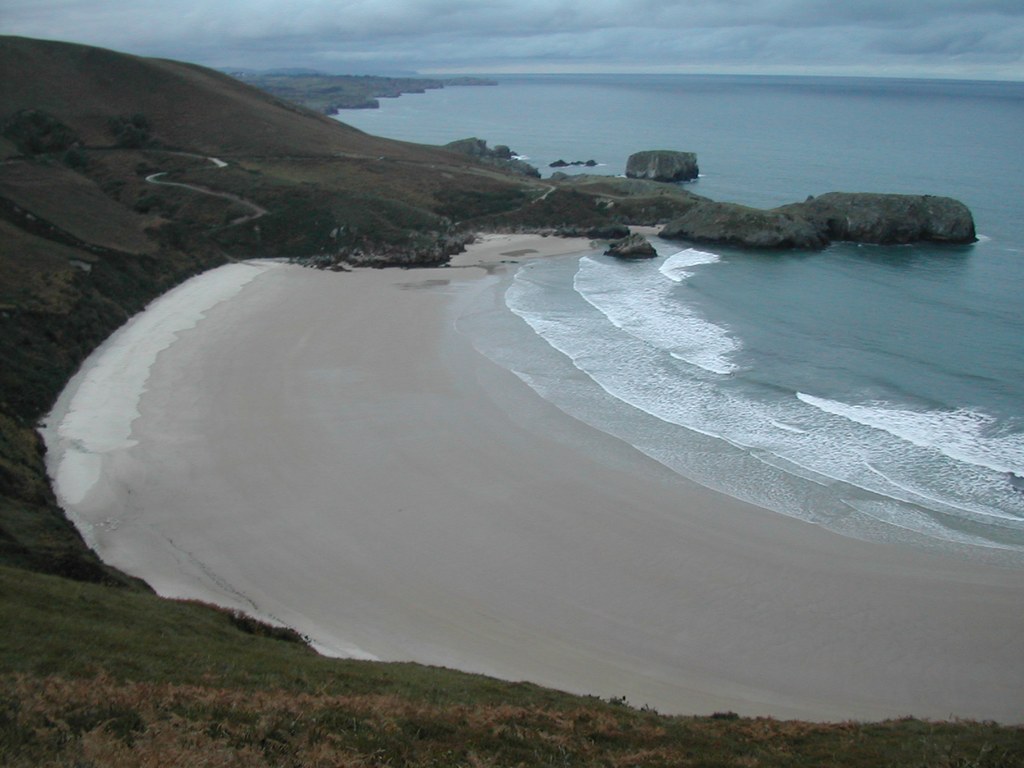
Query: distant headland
{"x": 331, "y": 93}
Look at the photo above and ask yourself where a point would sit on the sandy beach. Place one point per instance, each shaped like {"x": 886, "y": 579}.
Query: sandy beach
{"x": 328, "y": 451}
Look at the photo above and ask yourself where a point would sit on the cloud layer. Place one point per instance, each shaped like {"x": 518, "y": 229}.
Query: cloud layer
{"x": 982, "y": 38}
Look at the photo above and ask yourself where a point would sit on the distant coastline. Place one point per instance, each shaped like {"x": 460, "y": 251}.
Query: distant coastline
{"x": 330, "y": 94}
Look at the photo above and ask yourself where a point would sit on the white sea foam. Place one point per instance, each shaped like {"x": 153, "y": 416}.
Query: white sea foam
{"x": 913, "y": 519}
{"x": 787, "y": 427}
{"x": 95, "y": 412}
{"x": 675, "y": 267}
{"x": 962, "y": 435}
{"x": 638, "y": 303}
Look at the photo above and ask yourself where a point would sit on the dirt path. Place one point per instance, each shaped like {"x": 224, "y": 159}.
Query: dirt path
{"x": 257, "y": 210}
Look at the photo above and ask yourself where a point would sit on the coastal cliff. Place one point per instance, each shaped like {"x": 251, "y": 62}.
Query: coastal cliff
{"x": 882, "y": 219}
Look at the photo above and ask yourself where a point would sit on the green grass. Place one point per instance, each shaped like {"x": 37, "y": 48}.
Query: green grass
{"x": 55, "y": 626}
{"x": 99, "y": 676}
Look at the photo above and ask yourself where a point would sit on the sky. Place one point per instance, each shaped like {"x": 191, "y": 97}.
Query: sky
{"x": 980, "y": 39}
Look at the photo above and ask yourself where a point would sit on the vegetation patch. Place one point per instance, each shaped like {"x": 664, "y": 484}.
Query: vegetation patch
{"x": 35, "y": 132}
{"x": 102, "y": 722}
{"x": 176, "y": 683}
{"x": 130, "y": 131}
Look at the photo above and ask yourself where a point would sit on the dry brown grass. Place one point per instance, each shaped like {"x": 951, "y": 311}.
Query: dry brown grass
{"x": 101, "y": 722}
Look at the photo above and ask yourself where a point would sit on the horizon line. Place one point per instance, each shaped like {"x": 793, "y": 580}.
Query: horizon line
{"x": 979, "y": 77}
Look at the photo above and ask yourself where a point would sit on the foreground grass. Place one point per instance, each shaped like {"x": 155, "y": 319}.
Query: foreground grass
{"x": 101, "y": 722}
{"x": 97, "y": 676}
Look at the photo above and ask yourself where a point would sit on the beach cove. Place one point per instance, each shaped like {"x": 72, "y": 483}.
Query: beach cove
{"x": 330, "y": 452}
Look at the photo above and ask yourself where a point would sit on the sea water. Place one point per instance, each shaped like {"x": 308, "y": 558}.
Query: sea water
{"x": 878, "y": 391}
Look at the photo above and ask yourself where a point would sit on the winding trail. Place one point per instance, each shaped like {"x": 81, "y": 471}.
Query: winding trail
{"x": 551, "y": 188}
{"x": 257, "y": 210}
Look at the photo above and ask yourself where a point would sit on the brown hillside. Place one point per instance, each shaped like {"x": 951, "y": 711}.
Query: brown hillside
{"x": 88, "y": 214}
{"x": 187, "y": 106}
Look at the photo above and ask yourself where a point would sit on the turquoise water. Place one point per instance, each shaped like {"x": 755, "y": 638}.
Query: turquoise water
{"x": 878, "y": 391}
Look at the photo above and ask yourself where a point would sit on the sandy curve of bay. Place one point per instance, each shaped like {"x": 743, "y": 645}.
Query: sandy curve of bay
{"x": 328, "y": 451}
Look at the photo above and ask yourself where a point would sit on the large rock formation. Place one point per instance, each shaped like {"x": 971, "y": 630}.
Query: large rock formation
{"x": 662, "y": 165}
{"x": 732, "y": 224}
{"x": 814, "y": 223}
{"x": 634, "y": 246}
{"x": 887, "y": 219}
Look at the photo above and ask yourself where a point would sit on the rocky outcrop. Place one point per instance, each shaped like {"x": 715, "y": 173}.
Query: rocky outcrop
{"x": 887, "y": 219}
{"x": 814, "y": 223}
{"x": 662, "y": 165}
{"x": 632, "y": 247}
{"x": 429, "y": 249}
{"x": 560, "y": 163}
{"x": 732, "y": 224}
{"x": 500, "y": 156}
{"x": 608, "y": 232}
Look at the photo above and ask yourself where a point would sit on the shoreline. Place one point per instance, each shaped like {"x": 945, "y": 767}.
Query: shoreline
{"x": 418, "y": 502}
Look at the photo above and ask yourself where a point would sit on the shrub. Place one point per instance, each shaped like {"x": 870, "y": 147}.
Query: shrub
{"x": 35, "y": 132}
{"x": 130, "y": 131}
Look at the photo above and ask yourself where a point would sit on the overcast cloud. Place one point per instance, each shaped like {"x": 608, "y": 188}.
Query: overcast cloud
{"x": 942, "y": 38}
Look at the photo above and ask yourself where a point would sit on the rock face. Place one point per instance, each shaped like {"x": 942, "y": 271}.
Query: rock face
{"x": 814, "y": 223}
{"x": 501, "y": 155}
{"x": 731, "y": 224}
{"x": 662, "y": 165}
{"x": 632, "y": 247}
{"x": 887, "y": 219}
{"x": 608, "y": 232}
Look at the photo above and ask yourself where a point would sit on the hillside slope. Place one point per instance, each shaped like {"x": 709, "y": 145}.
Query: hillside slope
{"x": 189, "y": 106}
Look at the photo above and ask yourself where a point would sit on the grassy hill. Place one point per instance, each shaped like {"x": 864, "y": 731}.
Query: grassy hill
{"x": 108, "y": 198}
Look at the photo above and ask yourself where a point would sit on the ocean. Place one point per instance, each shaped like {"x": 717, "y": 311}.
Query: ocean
{"x": 877, "y": 391}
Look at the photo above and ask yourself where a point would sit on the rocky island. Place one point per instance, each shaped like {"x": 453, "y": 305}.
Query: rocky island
{"x": 662, "y": 165}
{"x": 564, "y": 164}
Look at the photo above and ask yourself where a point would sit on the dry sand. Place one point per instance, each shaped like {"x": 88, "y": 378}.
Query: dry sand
{"x": 326, "y": 450}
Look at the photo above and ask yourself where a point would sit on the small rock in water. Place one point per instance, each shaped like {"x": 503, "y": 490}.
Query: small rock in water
{"x": 634, "y": 246}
